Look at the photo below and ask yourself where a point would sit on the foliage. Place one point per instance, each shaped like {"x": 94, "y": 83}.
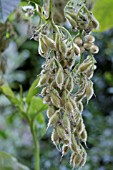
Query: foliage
{"x": 103, "y": 11}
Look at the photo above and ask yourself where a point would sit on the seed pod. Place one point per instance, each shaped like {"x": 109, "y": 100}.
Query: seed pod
{"x": 78, "y": 41}
{"x": 59, "y": 78}
{"x": 89, "y": 38}
{"x": 50, "y": 111}
{"x": 70, "y": 53}
{"x": 48, "y": 41}
{"x": 71, "y": 14}
{"x": 95, "y": 23}
{"x": 72, "y": 158}
{"x": 42, "y": 47}
{"x": 84, "y": 66}
{"x": 69, "y": 107}
{"x": 69, "y": 85}
{"x": 66, "y": 123}
{"x": 54, "y": 119}
{"x": 80, "y": 127}
{"x": 71, "y": 21}
{"x": 46, "y": 99}
{"x": 43, "y": 79}
{"x": 65, "y": 149}
{"x": 78, "y": 159}
{"x": 54, "y": 137}
{"x": 74, "y": 145}
{"x": 94, "y": 49}
{"x": 89, "y": 91}
{"x": 43, "y": 92}
{"x": 84, "y": 158}
{"x": 80, "y": 106}
{"x": 81, "y": 49}
{"x": 87, "y": 45}
{"x": 62, "y": 133}
{"x": 90, "y": 71}
{"x": 60, "y": 45}
{"x": 77, "y": 50}
{"x": 55, "y": 100}
{"x": 64, "y": 97}
{"x": 84, "y": 136}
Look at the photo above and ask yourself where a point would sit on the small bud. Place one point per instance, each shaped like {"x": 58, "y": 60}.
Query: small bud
{"x": 94, "y": 49}
{"x": 87, "y": 45}
{"x": 78, "y": 41}
{"x": 60, "y": 78}
{"x": 89, "y": 38}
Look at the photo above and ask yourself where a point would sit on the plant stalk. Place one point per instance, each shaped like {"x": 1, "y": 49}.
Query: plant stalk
{"x": 36, "y": 148}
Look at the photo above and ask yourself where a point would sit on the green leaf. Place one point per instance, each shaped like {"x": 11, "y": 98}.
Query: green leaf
{"x": 9, "y": 94}
{"x": 103, "y": 11}
{"x": 36, "y": 105}
{"x": 40, "y": 126}
{"x": 6, "y": 7}
{"x": 33, "y": 90}
{"x": 8, "y": 162}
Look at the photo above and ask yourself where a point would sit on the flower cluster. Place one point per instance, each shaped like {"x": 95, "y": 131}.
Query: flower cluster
{"x": 66, "y": 78}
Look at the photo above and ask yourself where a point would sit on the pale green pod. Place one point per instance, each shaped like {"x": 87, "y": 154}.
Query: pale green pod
{"x": 43, "y": 92}
{"x": 60, "y": 45}
{"x": 80, "y": 127}
{"x": 94, "y": 49}
{"x": 59, "y": 78}
{"x": 46, "y": 99}
{"x": 54, "y": 119}
{"x": 84, "y": 136}
{"x": 84, "y": 158}
{"x": 72, "y": 159}
{"x": 84, "y": 66}
{"x": 65, "y": 149}
{"x": 69, "y": 107}
{"x": 95, "y": 23}
{"x": 80, "y": 106}
{"x": 89, "y": 90}
{"x": 77, "y": 160}
{"x": 89, "y": 38}
{"x": 70, "y": 53}
{"x": 90, "y": 71}
{"x": 69, "y": 85}
{"x": 76, "y": 49}
{"x": 51, "y": 110}
{"x": 74, "y": 146}
{"x": 54, "y": 137}
{"x": 43, "y": 79}
{"x": 66, "y": 123}
{"x": 48, "y": 41}
{"x": 62, "y": 134}
{"x": 42, "y": 49}
{"x": 71, "y": 14}
{"x": 71, "y": 20}
{"x": 55, "y": 100}
{"x": 64, "y": 97}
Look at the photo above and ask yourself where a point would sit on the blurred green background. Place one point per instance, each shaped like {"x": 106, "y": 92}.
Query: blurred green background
{"x": 23, "y": 66}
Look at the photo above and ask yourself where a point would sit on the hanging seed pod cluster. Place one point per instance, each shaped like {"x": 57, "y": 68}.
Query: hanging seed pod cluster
{"x": 66, "y": 77}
